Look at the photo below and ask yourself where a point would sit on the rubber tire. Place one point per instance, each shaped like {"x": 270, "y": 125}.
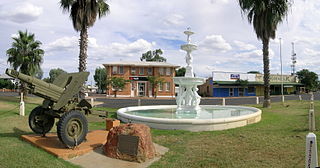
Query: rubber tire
{"x": 38, "y": 127}
{"x": 73, "y": 116}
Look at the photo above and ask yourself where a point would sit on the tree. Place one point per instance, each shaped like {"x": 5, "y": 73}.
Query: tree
{"x": 53, "y": 74}
{"x": 117, "y": 84}
{"x": 100, "y": 77}
{"x": 242, "y": 83}
{"x": 154, "y": 82}
{"x": 181, "y": 71}
{"x": 153, "y": 56}
{"x": 265, "y": 15}
{"x": 308, "y": 79}
{"x": 83, "y": 14}
{"x": 25, "y": 55}
{"x": 253, "y": 72}
{"x": 5, "y": 83}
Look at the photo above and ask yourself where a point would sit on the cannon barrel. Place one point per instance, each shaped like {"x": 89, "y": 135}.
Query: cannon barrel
{"x": 37, "y": 86}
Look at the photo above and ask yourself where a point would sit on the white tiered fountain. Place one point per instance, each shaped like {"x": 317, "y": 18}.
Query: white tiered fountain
{"x": 188, "y": 99}
{"x": 188, "y": 114}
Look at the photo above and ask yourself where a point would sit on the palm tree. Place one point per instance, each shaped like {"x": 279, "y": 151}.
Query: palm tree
{"x": 83, "y": 14}
{"x": 265, "y": 15}
{"x": 25, "y": 54}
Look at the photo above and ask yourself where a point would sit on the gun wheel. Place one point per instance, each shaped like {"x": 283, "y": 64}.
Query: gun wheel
{"x": 72, "y": 128}
{"x": 39, "y": 122}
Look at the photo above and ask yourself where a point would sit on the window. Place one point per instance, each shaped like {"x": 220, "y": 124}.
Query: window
{"x": 161, "y": 71}
{"x": 120, "y": 69}
{"x": 231, "y": 92}
{"x": 114, "y": 70}
{"x": 141, "y": 71}
{"x": 160, "y": 87}
{"x": 168, "y": 71}
{"x": 149, "y": 71}
{"x": 250, "y": 89}
{"x": 167, "y": 86}
{"x": 133, "y": 70}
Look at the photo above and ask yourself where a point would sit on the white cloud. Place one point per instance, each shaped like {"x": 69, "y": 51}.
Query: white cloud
{"x": 15, "y": 35}
{"x": 226, "y": 40}
{"x": 131, "y": 49}
{"x": 174, "y": 19}
{"x": 311, "y": 52}
{"x": 62, "y": 44}
{"x": 99, "y": 51}
{"x": 219, "y": 1}
{"x": 244, "y": 46}
{"x": 20, "y": 12}
{"x": 69, "y": 43}
{"x": 216, "y": 43}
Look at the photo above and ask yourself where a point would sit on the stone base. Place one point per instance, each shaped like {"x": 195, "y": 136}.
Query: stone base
{"x": 131, "y": 142}
{"x": 52, "y": 144}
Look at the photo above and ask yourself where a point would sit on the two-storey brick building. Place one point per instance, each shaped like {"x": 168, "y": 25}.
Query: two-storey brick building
{"x": 137, "y": 73}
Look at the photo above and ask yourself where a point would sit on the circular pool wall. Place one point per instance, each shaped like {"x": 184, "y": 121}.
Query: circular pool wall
{"x": 209, "y": 118}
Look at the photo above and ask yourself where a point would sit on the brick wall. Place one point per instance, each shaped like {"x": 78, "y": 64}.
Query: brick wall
{"x": 131, "y": 88}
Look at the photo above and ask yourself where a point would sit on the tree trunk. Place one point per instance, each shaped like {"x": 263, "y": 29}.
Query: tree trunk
{"x": 24, "y": 89}
{"x": 266, "y": 71}
{"x": 83, "y": 49}
{"x": 155, "y": 92}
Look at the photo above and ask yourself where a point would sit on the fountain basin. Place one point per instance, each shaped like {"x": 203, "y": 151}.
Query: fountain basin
{"x": 209, "y": 118}
{"x": 188, "y": 47}
{"x": 189, "y": 80}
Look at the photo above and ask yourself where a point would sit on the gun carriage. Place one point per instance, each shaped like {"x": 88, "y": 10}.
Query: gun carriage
{"x": 61, "y": 101}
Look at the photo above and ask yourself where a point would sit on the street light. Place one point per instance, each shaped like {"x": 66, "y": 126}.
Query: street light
{"x": 282, "y": 97}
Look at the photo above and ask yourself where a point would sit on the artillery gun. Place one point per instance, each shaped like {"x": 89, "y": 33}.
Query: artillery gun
{"x": 61, "y": 101}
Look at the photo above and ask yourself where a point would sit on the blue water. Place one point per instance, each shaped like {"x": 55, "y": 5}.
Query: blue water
{"x": 203, "y": 113}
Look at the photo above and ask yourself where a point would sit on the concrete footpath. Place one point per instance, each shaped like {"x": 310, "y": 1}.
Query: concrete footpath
{"x": 97, "y": 159}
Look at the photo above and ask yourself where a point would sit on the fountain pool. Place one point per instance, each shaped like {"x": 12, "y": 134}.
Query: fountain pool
{"x": 208, "y": 118}
{"x": 188, "y": 114}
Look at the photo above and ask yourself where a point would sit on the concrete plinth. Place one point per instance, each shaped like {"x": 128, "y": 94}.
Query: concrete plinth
{"x": 52, "y": 144}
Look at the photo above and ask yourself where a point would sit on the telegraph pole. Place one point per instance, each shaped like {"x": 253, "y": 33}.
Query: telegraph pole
{"x": 294, "y": 60}
{"x": 281, "y": 73}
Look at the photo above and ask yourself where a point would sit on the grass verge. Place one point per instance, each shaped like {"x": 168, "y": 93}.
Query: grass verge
{"x": 276, "y": 141}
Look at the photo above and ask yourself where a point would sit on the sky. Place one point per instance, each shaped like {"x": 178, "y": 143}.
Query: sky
{"x": 225, "y": 39}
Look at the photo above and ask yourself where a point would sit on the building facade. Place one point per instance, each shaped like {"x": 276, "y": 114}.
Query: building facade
{"x": 137, "y": 74}
{"x": 228, "y": 84}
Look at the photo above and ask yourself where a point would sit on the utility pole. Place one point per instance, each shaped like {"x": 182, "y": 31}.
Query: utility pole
{"x": 294, "y": 60}
{"x": 100, "y": 89}
{"x": 282, "y": 98}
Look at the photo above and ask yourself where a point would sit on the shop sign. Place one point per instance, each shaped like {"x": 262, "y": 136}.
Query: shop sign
{"x": 234, "y": 76}
{"x": 138, "y": 78}
{"x": 277, "y": 78}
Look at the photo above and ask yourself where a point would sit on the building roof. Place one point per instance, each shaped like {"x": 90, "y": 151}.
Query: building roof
{"x": 254, "y": 83}
{"x": 142, "y": 63}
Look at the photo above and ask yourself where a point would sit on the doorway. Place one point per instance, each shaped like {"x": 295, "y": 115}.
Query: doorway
{"x": 241, "y": 91}
{"x": 141, "y": 89}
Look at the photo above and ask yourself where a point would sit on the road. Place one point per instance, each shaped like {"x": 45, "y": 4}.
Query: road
{"x": 126, "y": 102}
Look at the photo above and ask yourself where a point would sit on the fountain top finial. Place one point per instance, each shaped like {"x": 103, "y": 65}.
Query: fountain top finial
{"x": 188, "y": 32}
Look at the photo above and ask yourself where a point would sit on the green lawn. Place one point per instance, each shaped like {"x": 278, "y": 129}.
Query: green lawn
{"x": 278, "y": 140}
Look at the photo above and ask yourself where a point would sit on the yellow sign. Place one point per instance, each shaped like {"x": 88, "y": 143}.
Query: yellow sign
{"x": 277, "y": 78}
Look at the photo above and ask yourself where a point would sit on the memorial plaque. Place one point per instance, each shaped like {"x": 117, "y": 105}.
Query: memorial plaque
{"x": 128, "y": 144}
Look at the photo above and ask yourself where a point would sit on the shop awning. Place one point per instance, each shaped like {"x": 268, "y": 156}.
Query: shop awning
{"x": 291, "y": 84}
